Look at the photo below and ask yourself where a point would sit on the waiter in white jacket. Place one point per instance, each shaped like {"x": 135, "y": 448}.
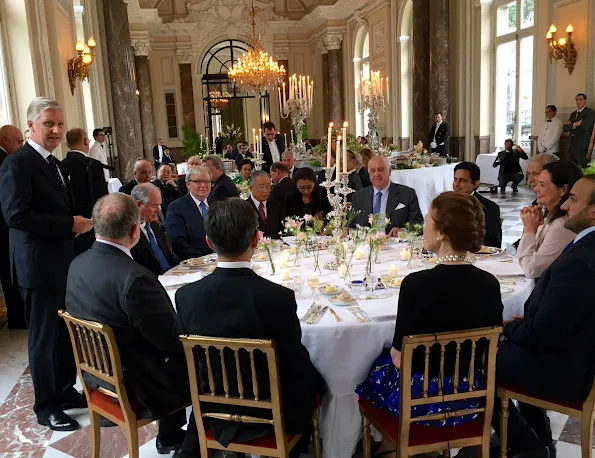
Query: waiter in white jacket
{"x": 97, "y": 151}
{"x": 549, "y": 135}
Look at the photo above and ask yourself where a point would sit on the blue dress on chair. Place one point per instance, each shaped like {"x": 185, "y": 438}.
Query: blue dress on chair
{"x": 461, "y": 297}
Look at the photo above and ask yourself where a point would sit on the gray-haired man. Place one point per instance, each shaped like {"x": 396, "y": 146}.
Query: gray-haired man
{"x": 223, "y": 187}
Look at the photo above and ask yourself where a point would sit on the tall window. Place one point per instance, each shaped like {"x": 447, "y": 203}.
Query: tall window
{"x": 514, "y": 21}
{"x": 361, "y": 68}
{"x": 172, "y": 118}
{"x": 5, "y": 117}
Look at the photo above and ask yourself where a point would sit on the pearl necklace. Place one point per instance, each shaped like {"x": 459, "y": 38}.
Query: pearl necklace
{"x": 455, "y": 258}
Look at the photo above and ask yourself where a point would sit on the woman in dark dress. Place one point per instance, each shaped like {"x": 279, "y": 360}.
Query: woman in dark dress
{"x": 453, "y": 296}
{"x": 311, "y": 198}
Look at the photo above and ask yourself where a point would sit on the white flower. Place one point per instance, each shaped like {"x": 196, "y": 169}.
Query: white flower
{"x": 308, "y": 218}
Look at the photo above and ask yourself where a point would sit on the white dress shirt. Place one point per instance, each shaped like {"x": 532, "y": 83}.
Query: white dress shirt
{"x": 549, "y": 136}
{"x": 257, "y": 203}
{"x": 197, "y": 202}
{"x": 436, "y": 131}
{"x": 383, "y": 200}
{"x": 234, "y": 265}
{"x": 97, "y": 152}
{"x": 45, "y": 154}
{"x": 274, "y": 151}
{"x": 117, "y": 245}
{"x": 160, "y": 148}
{"x": 584, "y": 233}
{"x": 291, "y": 170}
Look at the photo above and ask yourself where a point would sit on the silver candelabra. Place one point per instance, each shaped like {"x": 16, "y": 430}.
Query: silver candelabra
{"x": 374, "y": 103}
{"x": 299, "y": 110}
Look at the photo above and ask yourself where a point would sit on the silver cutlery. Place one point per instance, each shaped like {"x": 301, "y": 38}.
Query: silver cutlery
{"x": 359, "y": 314}
{"x": 337, "y": 317}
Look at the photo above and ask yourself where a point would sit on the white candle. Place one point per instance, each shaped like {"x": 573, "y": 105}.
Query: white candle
{"x": 344, "y": 147}
{"x": 387, "y": 89}
{"x": 359, "y": 253}
{"x": 259, "y": 140}
{"x": 342, "y": 270}
{"x": 285, "y": 274}
{"x": 282, "y": 263}
{"x": 280, "y": 101}
{"x": 311, "y": 93}
{"x": 292, "y": 140}
{"x": 254, "y": 140}
{"x": 337, "y": 158}
{"x": 285, "y": 137}
{"x": 329, "y": 140}
{"x": 405, "y": 254}
{"x": 201, "y": 140}
{"x": 393, "y": 271}
{"x": 284, "y": 97}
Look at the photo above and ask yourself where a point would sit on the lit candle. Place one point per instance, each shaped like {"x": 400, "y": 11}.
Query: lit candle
{"x": 285, "y": 274}
{"x": 344, "y": 132}
{"x": 359, "y": 253}
{"x": 284, "y": 96}
{"x": 387, "y": 89}
{"x": 292, "y": 140}
{"x": 311, "y": 93}
{"x": 405, "y": 254}
{"x": 254, "y": 140}
{"x": 338, "y": 158}
{"x": 329, "y": 140}
{"x": 342, "y": 270}
{"x": 285, "y": 137}
{"x": 283, "y": 263}
{"x": 201, "y": 140}
{"x": 280, "y": 101}
{"x": 259, "y": 140}
{"x": 393, "y": 271}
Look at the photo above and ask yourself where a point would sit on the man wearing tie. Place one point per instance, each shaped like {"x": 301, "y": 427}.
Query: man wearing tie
{"x": 580, "y": 127}
{"x": 439, "y": 134}
{"x": 38, "y": 207}
{"x": 11, "y": 140}
{"x": 283, "y": 185}
{"x": 97, "y": 151}
{"x": 549, "y": 135}
{"x": 272, "y": 146}
{"x": 185, "y": 216}
{"x": 158, "y": 150}
{"x": 152, "y": 250}
{"x": 270, "y": 212}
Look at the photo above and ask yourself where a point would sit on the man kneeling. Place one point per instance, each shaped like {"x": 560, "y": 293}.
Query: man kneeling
{"x": 106, "y": 285}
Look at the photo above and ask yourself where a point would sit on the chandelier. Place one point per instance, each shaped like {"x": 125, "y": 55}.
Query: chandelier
{"x": 256, "y": 70}
{"x": 219, "y": 100}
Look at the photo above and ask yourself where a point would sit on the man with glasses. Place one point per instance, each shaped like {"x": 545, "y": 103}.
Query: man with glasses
{"x": 185, "y": 216}
{"x": 270, "y": 212}
{"x": 272, "y": 146}
{"x": 549, "y": 135}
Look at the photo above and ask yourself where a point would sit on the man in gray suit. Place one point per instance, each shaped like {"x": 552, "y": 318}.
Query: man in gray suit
{"x": 580, "y": 127}
{"x": 397, "y": 202}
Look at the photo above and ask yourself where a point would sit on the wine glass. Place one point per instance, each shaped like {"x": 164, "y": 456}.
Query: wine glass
{"x": 371, "y": 281}
{"x": 313, "y": 282}
{"x": 298, "y": 285}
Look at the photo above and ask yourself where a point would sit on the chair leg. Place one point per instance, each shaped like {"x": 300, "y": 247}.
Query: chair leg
{"x": 586, "y": 434}
{"x": 95, "y": 433}
{"x": 132, "y": 441}
{"x": 366, "y": 438}
{"x": 503, "y": 426}
{"x": 316, "y": 436}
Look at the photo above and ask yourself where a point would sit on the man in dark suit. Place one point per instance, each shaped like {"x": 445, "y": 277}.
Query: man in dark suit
{"x": 167, "y": 157}
{"x": 288, "y": 159}
{"x": 142, "y": 174}
{"x": 549, "y": 352}
{"x": 272, "y": 146}
{"x": 193, "y": 161}
{"x": 580, "y": 128}
{"x": 353, "y": 180}
{"x": 399, "y": 203}
{"x": 158, "y": 150}
{"x": 11, "y": 140}
{"x": 270, "y": 212}
{"x": 38, "y": 207}
{"x": 107, "y": 286}
{"x": 223, "y": 187}
{"x": 152, "y": 251}
{"x": 439, "y": 135}
{"x": 509, "y": 161}
{"x": 355, "y": 163}
{"x": 86, "y": 179}
{"x": 219, "y": 144}
{"x": 185, "y": 218}
{"x": 283, "y": 186}
{"x": 167, "y": 186}
{"x": 235, "y": 302}
{"x": 467, "y": 180}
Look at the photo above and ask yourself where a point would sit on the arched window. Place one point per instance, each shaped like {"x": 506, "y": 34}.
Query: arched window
{"x": 361, "y": 68}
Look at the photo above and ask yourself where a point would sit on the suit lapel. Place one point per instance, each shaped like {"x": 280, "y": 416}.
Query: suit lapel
{"x": 147, "y": 245}
{"x": 393, "y": 199}
{"x": 46, "y": 169}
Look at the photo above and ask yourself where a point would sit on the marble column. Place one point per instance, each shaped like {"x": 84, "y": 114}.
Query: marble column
{"x": 142, "y": 49}
{"x": 421, "y": 71}
{"x": 439, "y": 59}
{"x": 185, "y": 57}
{"x": 127, "y": 128}
{"x": 326, "y": 115}
{"x": 335, "y": 78}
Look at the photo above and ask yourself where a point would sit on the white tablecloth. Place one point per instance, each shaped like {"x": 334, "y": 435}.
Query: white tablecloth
{"x": 113, "y": 185}
{"x": 428, "y": 182}
{"x": 489, "y": 173}
{"x": 344, "y": 351}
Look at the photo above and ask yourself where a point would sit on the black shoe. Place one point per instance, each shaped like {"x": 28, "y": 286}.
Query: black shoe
{"x": 74, "y": 400}
{"x": 502, "y": 190}
{"x": 182, "y": 454}
{"x": 552, "y": 449}
{"x": 165, "y": 449}
{"x": 494, "y": 189}
{"x": 58, "y": 421}
{"x": 515, "y": 190}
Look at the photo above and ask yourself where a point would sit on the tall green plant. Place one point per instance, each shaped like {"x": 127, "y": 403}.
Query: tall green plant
{"x": 192, "y": 143}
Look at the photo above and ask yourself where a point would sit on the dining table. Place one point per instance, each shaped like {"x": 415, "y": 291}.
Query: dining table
{"x": 341, "y": 346}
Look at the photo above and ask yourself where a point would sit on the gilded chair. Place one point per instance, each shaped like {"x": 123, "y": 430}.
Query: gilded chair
{"x": 96, "y": 353}
{"x": 584, "y": 410}
{"x": 410, "y": 438}
{"x": 222, "y": 356}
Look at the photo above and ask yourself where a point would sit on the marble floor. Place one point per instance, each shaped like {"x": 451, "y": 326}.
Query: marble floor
{"x": 21, "y": 436}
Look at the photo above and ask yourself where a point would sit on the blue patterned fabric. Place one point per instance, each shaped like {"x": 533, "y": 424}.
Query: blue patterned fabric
{"x": 382, "y": 389}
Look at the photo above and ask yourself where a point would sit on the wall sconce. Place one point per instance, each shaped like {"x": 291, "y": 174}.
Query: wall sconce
{"x": 78, "y": 67}
{"x": 562, "y": 48}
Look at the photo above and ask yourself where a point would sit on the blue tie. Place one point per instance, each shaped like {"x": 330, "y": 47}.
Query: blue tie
{"x": 203, "y": 209}
{"x": 377, "y": 203}
{"x": 155, "y": 246}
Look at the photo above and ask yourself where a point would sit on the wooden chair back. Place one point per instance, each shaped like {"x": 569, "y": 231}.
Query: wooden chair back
{"x": 468, "y": 338}
{"x": 213, "y": 350}
{"x": 96, "y": 353}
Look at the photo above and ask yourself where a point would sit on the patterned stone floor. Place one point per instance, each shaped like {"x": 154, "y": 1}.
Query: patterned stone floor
{"x": 21, "y": 436}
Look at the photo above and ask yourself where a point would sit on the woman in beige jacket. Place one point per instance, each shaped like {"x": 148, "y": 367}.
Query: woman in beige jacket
{"x": 544, "y": 235}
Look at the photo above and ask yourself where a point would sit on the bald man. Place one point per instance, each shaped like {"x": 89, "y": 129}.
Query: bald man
{"x": 11, "y": 140}
{"x": 142, "y": 174}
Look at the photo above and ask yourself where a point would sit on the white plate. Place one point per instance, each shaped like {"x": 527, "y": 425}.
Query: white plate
{"x": 505, "y": 290}
{"x": 338, "y": 290}
{"x": 257, "y": 259}
{"x": 336, "y": 301}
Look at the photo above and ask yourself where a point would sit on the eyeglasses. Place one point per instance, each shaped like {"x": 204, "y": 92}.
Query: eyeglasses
{"x": 199, "y": 182}
{"x": 305, "y": 188}
{"x": 263, "y": 187}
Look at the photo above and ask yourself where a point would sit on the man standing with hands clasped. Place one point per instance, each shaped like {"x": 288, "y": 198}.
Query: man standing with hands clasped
{"x": 39, "y": 210}
{"x": 439, "y": 134}
{"x": 580, "y": 128}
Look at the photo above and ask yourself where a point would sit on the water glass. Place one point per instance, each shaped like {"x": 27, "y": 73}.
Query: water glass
{"x": 371, "y": 280}
{"x": 298, "y": 285}
{"x": 358, "y": 289}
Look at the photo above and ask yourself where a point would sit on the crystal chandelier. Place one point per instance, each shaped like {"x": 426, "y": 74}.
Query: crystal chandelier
{"x": 256, "y": 70}
{"x": 219, "y": 100}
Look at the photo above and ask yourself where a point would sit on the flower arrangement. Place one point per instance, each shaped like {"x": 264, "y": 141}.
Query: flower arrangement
{"x": 411, "y": 234}
{"x": 265, "y": 244}
{"x": 244, "y": 189}
{"x": 419, "y": 149}
{"x": 313, "y": 227}
{"x": 232, "y": 132}
{"x": 293, "y": 226}
{"x": 376, "y": 236}
{"x": 590, "y": 170}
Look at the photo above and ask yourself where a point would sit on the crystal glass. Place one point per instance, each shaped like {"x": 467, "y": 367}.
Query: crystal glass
{"x": 313, "y": 282}
{"x": 371, "y": 281}
{"x": 298, "y": 285}
{"x": 386, "y": 280}
{"x": 358, "y": 289}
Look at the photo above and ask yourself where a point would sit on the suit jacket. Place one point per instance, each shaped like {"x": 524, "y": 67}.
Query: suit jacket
{"x": 108, "y": 286}
{"x": 253, "y": 308}
{"x": 397, "y": 194}
{"x": 168, "y": 194}
{"x": 354, "y": 182}
{"x": 559, "y": 322}
{"x": 491, "y": 211}
{"x": 145, "y": 256}
{"x": 267, "y": 157}
{"x": 275, "y": 216}
{"x": 156, "y": 152}
{"x": 3, "y": 225}
{"x": 510, "y": 161}
{"x": 219, "y": 145}
{"x": 128, "y": 187}
{"x": 364, "y": 176}
{"x": 185, "y": 228}
{"x": 86, "y": 179}
{"x": 223, "y": 188}
{"x": 282, "y": 190}
{"x": 168, "y": 160}
{"x": 441, "y": 137}
{"x": 292, "y": 174}
{"x": 581, "y": 135}
{"x": 182, "y": 188}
